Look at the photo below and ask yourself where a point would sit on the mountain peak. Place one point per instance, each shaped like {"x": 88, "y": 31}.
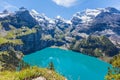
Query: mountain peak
{"x": 34, "y": 11}
{"x": 22, "y": 9}
{"x": 5, "y": 13}
{"x": 88, "y": 15}
{"x": 112, "y": 10}
{"x": 58, "y": 17}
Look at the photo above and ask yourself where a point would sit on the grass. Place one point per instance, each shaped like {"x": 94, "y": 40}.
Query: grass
{"x": 19, "y": 32}
{"x": 113, "y": 77}
{"x": 114, "y": 72}
{"x": 15, "y": 41}
{"x": 13, "y": 34}
{"x": 30, "y": 73}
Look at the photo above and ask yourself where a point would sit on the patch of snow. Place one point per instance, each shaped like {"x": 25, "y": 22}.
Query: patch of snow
{"x": 2, "y": 15}
{"x": 51, "y": 21}
{"x": 89, "y": 14}
{"x": 41, "y": 18}
{"x": 86, "y": 19}
{"x": 34, "y": 11}
{"x": 68, "y": 21}
{"x": 92, "y": 12}
{"x": 36, "y": 15}
{"x": 58, "y": 17}
{"x": 108, "y": 31}
{"x": 78, "y": 15}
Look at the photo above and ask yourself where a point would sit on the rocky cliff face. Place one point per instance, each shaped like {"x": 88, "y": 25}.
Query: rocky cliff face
{"x": 37, "y": 31}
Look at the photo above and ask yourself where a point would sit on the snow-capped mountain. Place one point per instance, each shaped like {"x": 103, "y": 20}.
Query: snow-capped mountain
{"x": 2, "y": 15}
{"x": 29, "y": 26}
{"x": 5, "y": 13}
{"x": 88, "y": 15}
{"x": 101, "y": 21}
{"x": 41, "y": 18}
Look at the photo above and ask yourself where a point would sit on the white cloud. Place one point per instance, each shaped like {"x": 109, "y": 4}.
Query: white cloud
{"x": 65, "y": 3}
{"x": 6, "y": 5}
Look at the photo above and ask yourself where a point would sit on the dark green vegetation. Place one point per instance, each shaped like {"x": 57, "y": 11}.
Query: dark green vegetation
{"x": 114, "y": 72}
{"x": 9, "y": 58}
{"x": 95, "y": 46}
{"x": 16, "y": 36}
{"x": 21, "y": 34}
{"x": 51, "y": 66}
{"x": 28, "y": 34}
{"x": 10, "y": 61}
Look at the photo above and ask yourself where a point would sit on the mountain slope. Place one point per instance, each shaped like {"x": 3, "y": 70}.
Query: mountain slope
{"x": 95, "y": 46}
{"x": 37, "y": 31}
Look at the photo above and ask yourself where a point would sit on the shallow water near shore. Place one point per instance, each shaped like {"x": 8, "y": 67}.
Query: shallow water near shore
{"x": 72, "y": 65}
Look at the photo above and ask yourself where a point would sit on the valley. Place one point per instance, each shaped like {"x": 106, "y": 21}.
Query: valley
{"x": 92, "y": 32}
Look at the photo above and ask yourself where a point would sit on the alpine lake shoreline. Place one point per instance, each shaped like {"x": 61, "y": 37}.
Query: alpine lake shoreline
{"x": 69, "y": 61}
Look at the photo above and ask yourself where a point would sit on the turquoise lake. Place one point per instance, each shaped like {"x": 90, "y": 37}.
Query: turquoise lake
{"x": 72, "y": 65}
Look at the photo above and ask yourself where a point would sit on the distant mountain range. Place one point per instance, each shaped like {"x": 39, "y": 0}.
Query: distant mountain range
{"x": 36, "y": 31}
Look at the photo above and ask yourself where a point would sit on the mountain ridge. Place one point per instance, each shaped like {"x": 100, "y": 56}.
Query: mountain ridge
{"x": 27, "y": 31}
{"x": 40, "y": 29}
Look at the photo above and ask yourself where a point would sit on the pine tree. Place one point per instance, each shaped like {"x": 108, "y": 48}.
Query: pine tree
{"x": 51, "y": 66}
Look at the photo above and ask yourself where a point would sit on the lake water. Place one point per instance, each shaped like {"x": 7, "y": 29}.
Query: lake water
{"x": 72, "y": 65}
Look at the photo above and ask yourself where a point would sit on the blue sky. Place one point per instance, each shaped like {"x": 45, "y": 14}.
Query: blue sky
{"x": 53, "y": 8}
